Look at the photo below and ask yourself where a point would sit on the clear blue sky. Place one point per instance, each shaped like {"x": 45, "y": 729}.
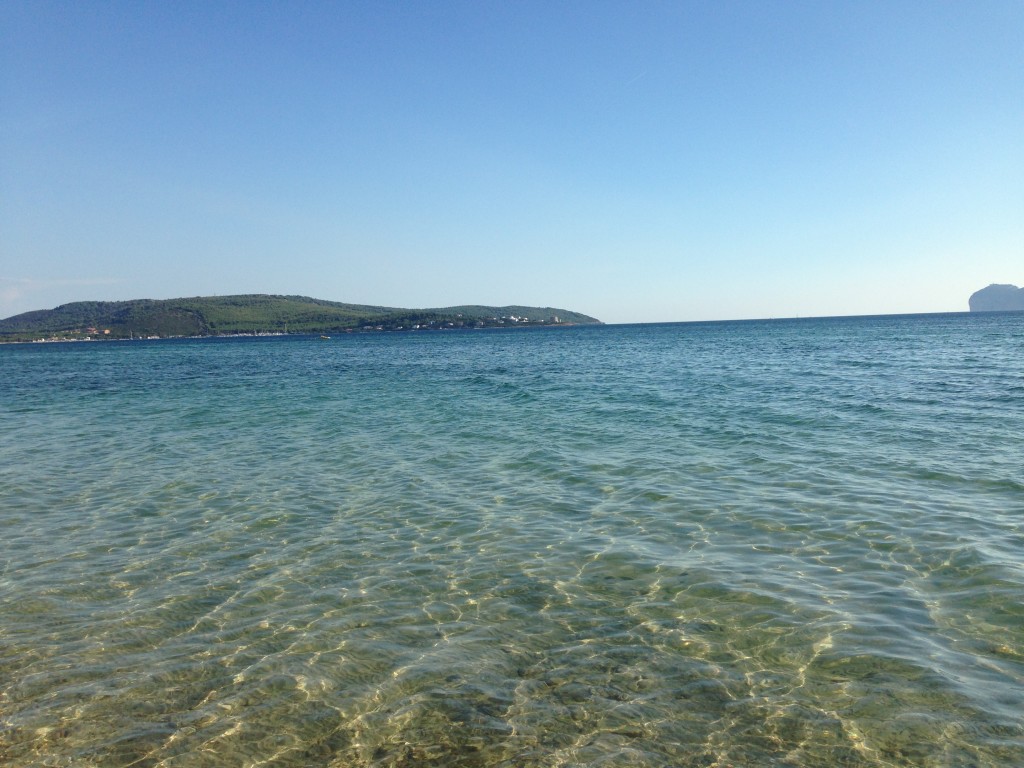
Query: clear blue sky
{"x": 635, "y": 161}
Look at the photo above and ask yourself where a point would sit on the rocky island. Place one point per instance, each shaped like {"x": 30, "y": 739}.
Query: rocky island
{"x": 256, "y": 314}
{"x": 997, "y": 298}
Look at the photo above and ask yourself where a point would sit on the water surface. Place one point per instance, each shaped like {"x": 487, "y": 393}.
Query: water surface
{"x": 792, "y": 543}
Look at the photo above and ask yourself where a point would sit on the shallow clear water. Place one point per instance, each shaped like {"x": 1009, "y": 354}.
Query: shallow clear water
{"x": 792, "y": 543}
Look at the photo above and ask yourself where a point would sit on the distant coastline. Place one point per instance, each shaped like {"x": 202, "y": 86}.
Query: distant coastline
{"x": 260, "y": 315}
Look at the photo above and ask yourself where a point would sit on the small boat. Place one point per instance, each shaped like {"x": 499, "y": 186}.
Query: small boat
{"x": 325, "y": 338}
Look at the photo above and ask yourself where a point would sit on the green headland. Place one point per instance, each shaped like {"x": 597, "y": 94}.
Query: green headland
{"x": 254, "y": 314}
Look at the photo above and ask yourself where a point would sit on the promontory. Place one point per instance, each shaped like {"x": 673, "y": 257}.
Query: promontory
{"x": 255, "y": 314}
{"x": 997, "y": 298}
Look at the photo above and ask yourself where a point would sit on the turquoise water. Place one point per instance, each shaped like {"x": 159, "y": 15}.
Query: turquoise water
{"x": 791, "y": 543}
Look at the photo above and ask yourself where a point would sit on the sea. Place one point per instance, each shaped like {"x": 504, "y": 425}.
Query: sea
{"x": 762, "y": 543}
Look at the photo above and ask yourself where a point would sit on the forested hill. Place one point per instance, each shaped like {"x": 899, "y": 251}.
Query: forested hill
{"x": 259, "y": 313}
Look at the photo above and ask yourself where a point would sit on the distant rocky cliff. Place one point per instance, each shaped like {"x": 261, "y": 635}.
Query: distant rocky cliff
{"x": 997, "y": 298}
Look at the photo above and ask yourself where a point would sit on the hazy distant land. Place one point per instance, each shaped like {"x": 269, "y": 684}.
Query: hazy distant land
{"x": 997, "y": 298}
{"x": 260, "y": 314}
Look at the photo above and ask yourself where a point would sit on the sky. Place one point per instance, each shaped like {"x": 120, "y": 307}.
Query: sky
{"x": 638, "y": 162}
